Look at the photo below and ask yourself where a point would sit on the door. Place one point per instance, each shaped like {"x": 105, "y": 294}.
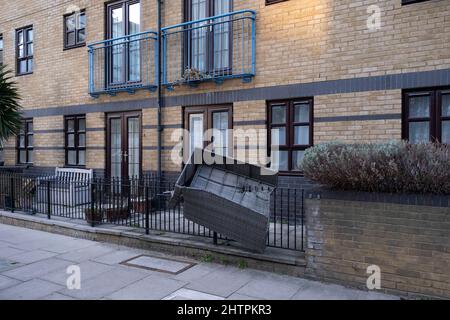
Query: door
{"x": 123, "y": 57}
{"x": 124, "y": 155}
{"x": 208, "y": 47}
{"x": 208, "y": 126}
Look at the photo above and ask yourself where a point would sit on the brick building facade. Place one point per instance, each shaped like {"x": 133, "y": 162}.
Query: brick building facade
{"x": 323, "y": 70}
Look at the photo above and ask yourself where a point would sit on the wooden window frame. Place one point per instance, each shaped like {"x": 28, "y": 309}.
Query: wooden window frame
{"x": 290, "y": 125}
{"x": 25, "y": 44}
{"x": 77, "y": 148}
{"x": 78, "y": 43}
{"x": 26, "y": 134}
{"x": 435, "y": 118}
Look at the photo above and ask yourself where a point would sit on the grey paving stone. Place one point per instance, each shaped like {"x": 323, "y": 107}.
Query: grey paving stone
{"x": 237, "y": 296}
{"x": 221, "y": 282}
{"x": 196, "y": 272}
{"x": 88, "y": 253}
{"x": 36, "y": 269}
{"x": 30, "y": 290}
{"x": 6, "y": 252}
{"x": 151, "y": 288}
{"x": 6, "y": 282}
{"x": 57, "y": 296}
{"x": 104, "y": 284}
{"x": 32, "y": 256}
{"x": 117, "y": 257}
{"x": 270, "y": 289}
{"x": 159, "y": 264}
{"x": 88, "y": 269}
{"x": 187, "y": 294}
{"x": 321, "y": 291}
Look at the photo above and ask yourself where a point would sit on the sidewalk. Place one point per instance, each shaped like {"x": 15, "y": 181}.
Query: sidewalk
{"x": 33, "y": 265}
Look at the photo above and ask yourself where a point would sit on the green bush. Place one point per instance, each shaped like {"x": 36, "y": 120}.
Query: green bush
{"x": 394, "y": 167}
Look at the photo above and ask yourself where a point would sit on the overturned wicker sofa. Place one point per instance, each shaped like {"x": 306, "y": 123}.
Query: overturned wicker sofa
{"x": 228, "y": 197}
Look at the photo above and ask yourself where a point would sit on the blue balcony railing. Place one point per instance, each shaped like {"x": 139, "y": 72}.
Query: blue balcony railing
{"x": 215, "y": 48}
{"x": 125, "y": 63}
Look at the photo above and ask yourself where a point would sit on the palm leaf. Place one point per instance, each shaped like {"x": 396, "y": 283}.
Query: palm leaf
{"x": 10, "y": 109}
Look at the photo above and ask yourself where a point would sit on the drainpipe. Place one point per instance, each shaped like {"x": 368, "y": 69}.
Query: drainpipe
{"x": 160, "y": 92}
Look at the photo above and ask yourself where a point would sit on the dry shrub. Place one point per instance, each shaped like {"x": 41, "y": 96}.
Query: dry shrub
{"x": 394, "y": 167}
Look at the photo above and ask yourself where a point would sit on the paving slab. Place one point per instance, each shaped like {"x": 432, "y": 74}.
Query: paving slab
{"x": 104, "y": 284}
{"x": 29, "y": 290}
{"x": 320, "y": 291}
{"x": 7, "y": 251}
{"x": 270, "y": 289}
{"x": 57, "y": 296}
{"x": 117, "y": 257}
{"x": 6, "y": 282}
{"x": 151, "y": 288}
{"x": 32, "y": 256}
{"x": 159, "y": 264}
{"x": 187, "y": 294}
{"x": 87, "y": 253}
{"x": 36, "y": 269}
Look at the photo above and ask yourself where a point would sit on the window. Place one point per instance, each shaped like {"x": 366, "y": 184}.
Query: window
{"x": 291, "y": 131}
{"x": 123, "y": 18}
{"x": 1, "y": 49}
{"x": 74, "y": 30}
{"x": 24, "y": 50}
{"x": 268, "y": 2}
{"x": 426, "y": 116}
{"x": 75, "y": 128}
{"x": 212, "y": 120}
{"x": 25, "y": 142}
{"x": 208, "y": 49}
{"x": 404, "y": 2}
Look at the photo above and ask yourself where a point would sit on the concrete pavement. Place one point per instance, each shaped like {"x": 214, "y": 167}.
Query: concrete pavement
{"x": 34, "y": 265}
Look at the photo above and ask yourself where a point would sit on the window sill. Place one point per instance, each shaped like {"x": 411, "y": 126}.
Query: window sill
{"x": 23, "y": 74}
{"x": 81, "y": 45}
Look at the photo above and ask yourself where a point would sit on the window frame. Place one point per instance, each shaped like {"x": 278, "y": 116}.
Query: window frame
{"x": 25, "y": 44}
{"x": 27, "y": 148}
{"x": 435, "y": 119}
{"x": 77, "y": 44}
{"x": 76, "y": 134}
{"x": 269, "y": 2}
{"x": 406, "y": 2}
{"x": 290, "y": 125}
{"x": 2, "y": 49}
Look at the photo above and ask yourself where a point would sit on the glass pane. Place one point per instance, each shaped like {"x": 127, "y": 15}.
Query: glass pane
{"x": 278, "y": 136}
{"x": 1, "y": 44}
{"x": 301, "y": 113}
{"x": 301, "y": 135}
{"x": 279, "y": 114}
{"x": 70, "y": 23}
{"x": 116, "y": 148}
{"x": 81, "y": 124}
{"x": 198, "y": 37}
{"x": 419, "y": 132}
{"x": 20, "y": 37}
{"x": 70, "y": 125}
{"x": 72, "y": 157}
{"x": 133, "y": 147}
{"x": 81, "y": 36}
{"x": 30, "y": 127}
{"x": 117, "y": 50}
{"x": 81, "y": 157}
{"x": 71, "y": 38}
{"x": 446, "y": 105}
{"x": 297, "y": 160}
{"x": 220, "y": 134}
{"x": 30, "y": 35}
{"x": 21, "y": 51}
{"x": 23, "y": 156}
{"x": 135, "y": 18}
{"x": 82, "y": 21}
{"x": 81, "y": 140}
{"x": 446, "y": 132}
{"x": 30, "y": 49}
{"x": 71, "y": 140}
{"x": 195, "y": 132}
{"x": 30, "y": 140}
{"x": 221, "y": 36}
{"x": 279, "y": 161}
{"x": 29, "y": 65}
{"x": 22, "y": 141}
{"x": 30, "y": 156}
{"x": 419, "y": 107}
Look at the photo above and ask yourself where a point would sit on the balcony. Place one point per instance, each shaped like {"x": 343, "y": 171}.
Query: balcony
{"x": 211, "y": 49}
{"x": 125, "y": 63}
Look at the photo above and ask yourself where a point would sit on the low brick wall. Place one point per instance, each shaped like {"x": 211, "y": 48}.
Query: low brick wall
{"x": 410, "y": 243}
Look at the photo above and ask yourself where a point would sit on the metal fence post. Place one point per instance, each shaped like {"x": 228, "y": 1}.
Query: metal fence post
{"x": 215, "y": 238}
{"x": 13, "y": 201}
{"x": 49, "y": 207}
{"x": 147, "y": 211}
{"x": 93, "y": 215}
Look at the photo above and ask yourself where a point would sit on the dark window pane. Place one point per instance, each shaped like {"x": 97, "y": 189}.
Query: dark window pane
{"x": 71, "y": 38}
{"x": 82, "y": 21}
{"x": 280, "y": 160}
{"x": 23, "y": 156}
{"x": 301, "y": 135}
{"x": 279, "y": 114}
{"x": 72, "y": 158}
{"x": 71, "y": 140}
{"x": 30, "y": 140}
{"x": 82, "y": 125}
{"x": 22, "y": 141}
{"x": 446, "y": 132}
{"x": 419, "y": 107}
{"x": 30, "y": 156}
{"x": 446, "y": 105}
{"x": 70, "y": 125}
{"x": 81, "y": 36}
{"x": 30, "y": 127}
{"x": 70, "y": 23}
{"x": 419, "y": 132}
{"x": 301, "y": 113}
{"x": 82, "y": 157}
{"x": 81, "y": 140}
{"x": 297, "y": 160}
